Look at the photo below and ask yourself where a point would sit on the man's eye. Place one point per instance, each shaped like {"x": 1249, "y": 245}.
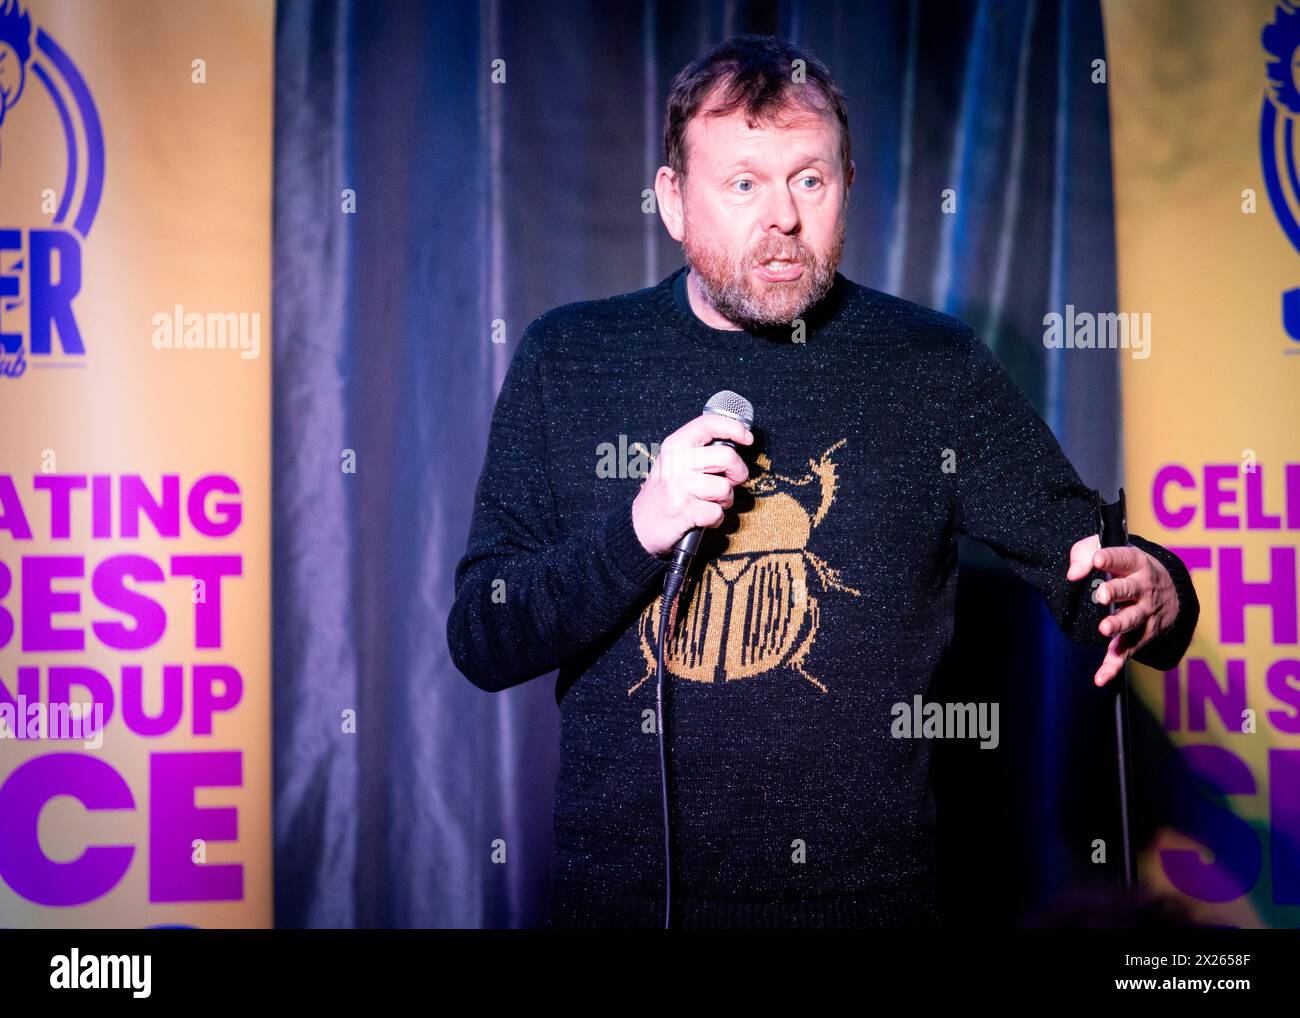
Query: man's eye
{"x": 815, "y": 180}
{"x": 739, "y": 182}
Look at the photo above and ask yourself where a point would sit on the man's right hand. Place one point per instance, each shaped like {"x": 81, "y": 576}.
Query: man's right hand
{"x": 690, "y": 482}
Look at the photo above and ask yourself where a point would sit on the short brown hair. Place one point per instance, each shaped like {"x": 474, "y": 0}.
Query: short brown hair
{"x": 756, "y": 73}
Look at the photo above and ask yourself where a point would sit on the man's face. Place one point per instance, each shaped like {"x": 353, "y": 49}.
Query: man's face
{"x": 774, "y": 191}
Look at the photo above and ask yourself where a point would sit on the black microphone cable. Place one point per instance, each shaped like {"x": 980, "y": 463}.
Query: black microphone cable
{"x": 726, "y": 404}
{"x": 664, "y": 614}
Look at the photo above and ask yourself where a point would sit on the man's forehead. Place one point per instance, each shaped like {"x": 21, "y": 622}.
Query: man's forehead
{"x": 796, "y": 134}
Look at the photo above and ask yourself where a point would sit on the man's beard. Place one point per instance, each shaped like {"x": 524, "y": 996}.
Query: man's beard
{"x": 736, "y": 292}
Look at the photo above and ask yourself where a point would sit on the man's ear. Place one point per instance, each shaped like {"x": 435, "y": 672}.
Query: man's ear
{"x": 852, "y": 170}
{"x": 668, "y": 196}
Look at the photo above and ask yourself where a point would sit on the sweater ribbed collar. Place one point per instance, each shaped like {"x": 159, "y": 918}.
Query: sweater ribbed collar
{"x": 671, "y": 300}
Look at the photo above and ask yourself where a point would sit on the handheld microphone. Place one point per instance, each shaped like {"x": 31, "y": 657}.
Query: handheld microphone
{"x": 727, "y": 404}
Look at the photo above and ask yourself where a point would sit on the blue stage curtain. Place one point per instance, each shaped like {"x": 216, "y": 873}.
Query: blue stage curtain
{"x": 480, "y": 203}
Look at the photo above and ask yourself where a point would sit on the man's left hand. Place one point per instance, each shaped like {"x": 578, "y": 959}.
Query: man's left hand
{"x": 1140, "y": 584}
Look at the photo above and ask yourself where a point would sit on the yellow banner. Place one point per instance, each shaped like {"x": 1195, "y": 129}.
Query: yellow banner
{"x": 1203, "y": 96}
{"x": 135, "y": 234}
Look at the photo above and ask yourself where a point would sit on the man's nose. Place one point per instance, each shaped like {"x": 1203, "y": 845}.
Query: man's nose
{"x": 780, "y": 211}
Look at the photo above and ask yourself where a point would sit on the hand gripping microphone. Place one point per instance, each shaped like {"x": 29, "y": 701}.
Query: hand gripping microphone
{"x": 726, "y": 404}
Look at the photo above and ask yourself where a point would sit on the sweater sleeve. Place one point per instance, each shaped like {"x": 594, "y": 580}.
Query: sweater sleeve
{"x": 1021, "y": 496}
{"x": 529, "y": 593}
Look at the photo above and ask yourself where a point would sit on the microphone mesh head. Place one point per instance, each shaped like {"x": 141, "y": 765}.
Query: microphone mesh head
{"x": 730, "y": 404}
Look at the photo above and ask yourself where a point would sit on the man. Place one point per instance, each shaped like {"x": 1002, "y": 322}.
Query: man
{"x": 823, "y": 591}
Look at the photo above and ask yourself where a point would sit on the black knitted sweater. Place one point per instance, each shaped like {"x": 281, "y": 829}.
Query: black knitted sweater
{"x": 882, "y": 433}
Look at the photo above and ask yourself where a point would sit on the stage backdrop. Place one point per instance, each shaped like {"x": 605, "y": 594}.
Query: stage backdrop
{"x": 1204, "y": 110}
{"x": 135, "y": 187}
{"x": 419, "y": 202}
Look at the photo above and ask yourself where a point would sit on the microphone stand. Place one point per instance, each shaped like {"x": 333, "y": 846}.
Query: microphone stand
{"x": 1112, "y": 527}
